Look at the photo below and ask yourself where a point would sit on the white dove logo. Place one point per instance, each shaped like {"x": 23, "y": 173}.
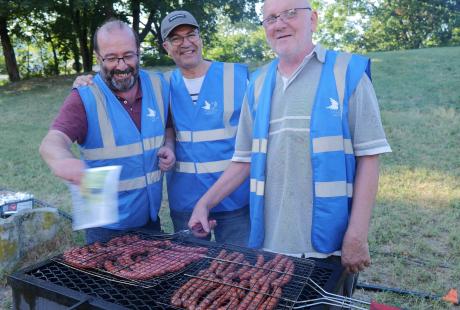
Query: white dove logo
{"x": 206, "y": 106}
{"x": 152, "y": 113}
{"x": 334, "y": 105}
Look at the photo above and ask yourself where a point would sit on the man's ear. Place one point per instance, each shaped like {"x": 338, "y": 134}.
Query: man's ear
{"x": 166, "y": 47}
{"x": 314, "y": 21}
{"x": 98, "y": 58}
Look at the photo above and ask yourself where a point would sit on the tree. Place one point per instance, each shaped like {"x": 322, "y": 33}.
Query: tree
{"x": 240, "y": 42}
{"x": 206, "y": 13}
{"x": 8, "y": 51}
{"x": 9, "y": 10}
{"x": 409, "y": 24}
{"x": 341, "y": 24}
{"x": 388, "y": 24}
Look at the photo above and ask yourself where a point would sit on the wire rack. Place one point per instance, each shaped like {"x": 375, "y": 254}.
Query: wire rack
{"x": 307, "y": 278}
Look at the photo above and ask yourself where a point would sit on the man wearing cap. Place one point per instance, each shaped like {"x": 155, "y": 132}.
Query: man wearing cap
{"x": 206, "y": 99}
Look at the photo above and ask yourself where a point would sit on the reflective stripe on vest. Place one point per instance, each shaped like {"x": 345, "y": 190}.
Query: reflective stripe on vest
{"x": 205, "y": 135}
{"x": 123, "y": 150}
{"x": 156, "y": 84}
{"x": 257, "y": 187}
{"x": 333, "y": 189}
{"x": 140, "y": 182}
{"x": 217, "y": 134}
{"x": 340, "y": 73}
{"x": 206, "y": 167}
{"x": 259, "y": 145}
{"x": 111, "y": 151}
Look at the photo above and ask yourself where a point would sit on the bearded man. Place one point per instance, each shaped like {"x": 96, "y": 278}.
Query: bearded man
{"x": 119, "y": 120}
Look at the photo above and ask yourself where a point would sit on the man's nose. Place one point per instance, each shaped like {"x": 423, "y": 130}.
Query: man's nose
{"x": 121, "y": 64}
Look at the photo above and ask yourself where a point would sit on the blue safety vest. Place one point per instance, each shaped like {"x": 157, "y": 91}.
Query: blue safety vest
{"x": 113, "y": 139}
{"x": 332, "y": 157}
{"x": 205, "y": 136}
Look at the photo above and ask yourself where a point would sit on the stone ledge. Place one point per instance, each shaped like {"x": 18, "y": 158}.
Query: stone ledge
{"x": 27, "y": 232}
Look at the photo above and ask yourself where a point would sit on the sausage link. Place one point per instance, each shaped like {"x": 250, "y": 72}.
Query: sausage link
{"x": 176, "y": 298}
{"x": 223, "y": 299}
{"x": 271, "y": 302}
{"x": 203, "y": 290}
{"x": 220, "y": 290}
{"x": 225, "y": 262}
{"x": 234, "y": 264}
{"x": 260, "y": 296}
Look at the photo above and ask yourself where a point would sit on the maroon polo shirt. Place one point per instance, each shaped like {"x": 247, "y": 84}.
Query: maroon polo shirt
{"x": 72, "y": 121}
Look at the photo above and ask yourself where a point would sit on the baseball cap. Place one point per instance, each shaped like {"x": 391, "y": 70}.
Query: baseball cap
{"x": 174, "y": 19}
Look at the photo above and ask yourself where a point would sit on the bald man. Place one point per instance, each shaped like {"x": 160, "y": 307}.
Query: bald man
{"x": 119, "y": 120}
{"x": 309, "y": 138}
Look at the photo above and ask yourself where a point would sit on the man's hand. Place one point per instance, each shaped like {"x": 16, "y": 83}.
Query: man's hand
{"x": 198, "y": 222}
{"x": 55, "y": 151}
{"x": 355, "y": 253}
{"x": 167, "y": 158}
{"x": 69, "y": 169}
{"x": 83, "y": 80}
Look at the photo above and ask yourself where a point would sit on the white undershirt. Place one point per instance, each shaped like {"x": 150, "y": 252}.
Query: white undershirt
{"x": 194, "y": 87}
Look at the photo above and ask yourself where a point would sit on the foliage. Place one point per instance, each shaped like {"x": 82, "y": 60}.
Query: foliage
{"x": 53, "y": 37}
{"x": 61, "y": 31}
{"x": 339, "y": 24}
{"x": 389, "y": 24}
{"x": 409, "y": 24}
{"x": 242, "y": 42}
{"x": 207, "y": 13}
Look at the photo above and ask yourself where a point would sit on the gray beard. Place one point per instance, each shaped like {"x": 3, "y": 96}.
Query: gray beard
{"x": 120, "y": 85}
{"x": 123, "y": 85}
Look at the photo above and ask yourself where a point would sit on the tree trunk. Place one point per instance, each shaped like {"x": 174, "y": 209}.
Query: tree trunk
{"x": 76, "y": 55}
{"x": 82, "y": 34}
{"x": 49, "y": 39}
{"x": 148, "y": 28}
{"x": 55, "y": 58}
{"x": 8, "y": 52}
{"x": 136, "y": 9}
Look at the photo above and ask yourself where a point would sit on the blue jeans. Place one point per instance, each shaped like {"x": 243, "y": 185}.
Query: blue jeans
{"x": 105, "y": 234}
{"x": 232, "y": 226}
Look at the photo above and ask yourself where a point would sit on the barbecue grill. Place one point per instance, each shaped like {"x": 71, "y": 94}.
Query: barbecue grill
{"x": 56, "y": 284}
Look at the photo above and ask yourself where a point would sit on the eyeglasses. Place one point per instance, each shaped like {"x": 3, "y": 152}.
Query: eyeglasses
{"x": 128, "y": 58}
{"x": 177, "y": 40}
{"x": 284, "y": 16}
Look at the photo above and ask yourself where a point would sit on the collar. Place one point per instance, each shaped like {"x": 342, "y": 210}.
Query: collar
{"x": 138, "y": 95}
{"x": 318, "y": 51}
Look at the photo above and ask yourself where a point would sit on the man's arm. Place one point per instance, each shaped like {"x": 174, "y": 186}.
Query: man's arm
{"x": 55, "y": 151}
{"x": 235, "y": 174}
{"x": 355, "y": 248}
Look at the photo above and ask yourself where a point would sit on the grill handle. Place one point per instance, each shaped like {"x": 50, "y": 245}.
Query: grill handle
{"x": 80, "y": 303}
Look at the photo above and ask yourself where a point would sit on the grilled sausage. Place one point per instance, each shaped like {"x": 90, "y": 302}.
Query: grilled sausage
{"x": 271, "y": 302}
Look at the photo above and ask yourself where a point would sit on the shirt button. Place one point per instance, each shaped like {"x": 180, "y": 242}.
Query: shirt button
{"x": 125, "y": 102}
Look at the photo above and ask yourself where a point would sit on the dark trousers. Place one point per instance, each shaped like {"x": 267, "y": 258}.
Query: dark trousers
{"x": 102, "y": 234}
{"x": 345, "y": 285}
{"x": 233, "y": 227}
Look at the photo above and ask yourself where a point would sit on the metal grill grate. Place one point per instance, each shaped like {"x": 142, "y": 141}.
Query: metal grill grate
{"x": 157, "y": 293}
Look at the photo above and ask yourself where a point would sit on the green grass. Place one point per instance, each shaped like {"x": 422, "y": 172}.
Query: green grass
{"x": 415, "y": 231}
